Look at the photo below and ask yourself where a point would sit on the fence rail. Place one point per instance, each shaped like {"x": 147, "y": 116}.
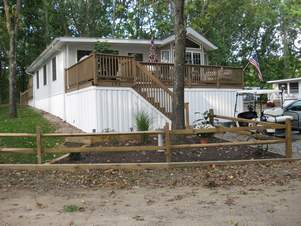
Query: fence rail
{"x": 168, "y": 146}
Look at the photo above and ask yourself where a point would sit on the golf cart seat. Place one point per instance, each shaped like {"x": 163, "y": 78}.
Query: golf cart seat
{"x": 276, "y": 115}
{"x": 246, "y": 115}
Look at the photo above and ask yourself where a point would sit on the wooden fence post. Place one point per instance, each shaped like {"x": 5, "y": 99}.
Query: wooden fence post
{"x": 288, "y": 138}
{"x": 39, "y": 144}
{"x": 167, "y": 143}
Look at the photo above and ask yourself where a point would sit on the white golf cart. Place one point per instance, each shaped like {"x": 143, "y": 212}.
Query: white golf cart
{"x": 270, "y": 114}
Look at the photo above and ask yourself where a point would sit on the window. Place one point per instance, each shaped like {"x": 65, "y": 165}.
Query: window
{"x": 282, "y": 86}
{"x": 38, "y": 80}
{"x": 193, "y": 57}
{"x": 294, "y": 87}
{"x": 295, "y": 106}
{"x": 188, "y": 58}
{"x": 196, "y": 58}
{"x": 53, "y": 69}
{"x": 165, "y": 57}
{"x": 44, "y": 75}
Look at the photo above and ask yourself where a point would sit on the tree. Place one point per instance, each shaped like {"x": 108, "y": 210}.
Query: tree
{"x": 12, "y": 14}
{"x": 178, "y": 86}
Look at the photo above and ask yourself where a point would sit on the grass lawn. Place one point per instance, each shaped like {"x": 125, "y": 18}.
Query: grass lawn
{"x": 26, "y": 122}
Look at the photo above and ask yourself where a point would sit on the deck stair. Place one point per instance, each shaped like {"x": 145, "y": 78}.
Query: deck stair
{"x": 152, "y": 89}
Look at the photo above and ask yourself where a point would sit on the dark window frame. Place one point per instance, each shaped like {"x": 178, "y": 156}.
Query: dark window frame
{"x": 38, "y": 79}
{"x": 54, "y": 69}
{"x": 45, "y": 75}
{"x": 294, "y": 87}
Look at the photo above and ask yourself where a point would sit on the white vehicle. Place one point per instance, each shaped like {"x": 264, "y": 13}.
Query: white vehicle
{"x": 272, "y": 114}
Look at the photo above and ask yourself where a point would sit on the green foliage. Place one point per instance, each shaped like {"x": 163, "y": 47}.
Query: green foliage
{"x": 26, "y": 123}
{"x": 105, "y": 48}
{"x": 236, "y": 27}
{"x": 239, "y": 28}
{"x": 143, "y": 123}
{"x": 72, "y": 208}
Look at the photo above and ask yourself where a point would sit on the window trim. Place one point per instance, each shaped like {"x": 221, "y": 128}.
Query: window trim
{"x": 191, "y": 51}
{"x": 54, "y": 72}
{"x": 296, "y": 89}
{"x": 45, "y": 75}
{"x": 38, "y": 80}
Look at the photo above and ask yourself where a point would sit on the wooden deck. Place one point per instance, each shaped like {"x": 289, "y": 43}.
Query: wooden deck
{"x": 151, "y": 80}
{"x": 110, "y": 70}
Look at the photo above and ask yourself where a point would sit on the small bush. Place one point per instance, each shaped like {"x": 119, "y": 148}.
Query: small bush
{"x": 105, "y": 48}
{"x": 143, "y": 123}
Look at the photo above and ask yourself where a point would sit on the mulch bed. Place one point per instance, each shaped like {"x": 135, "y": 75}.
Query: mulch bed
{"x": 212, "y": 176}
{"x": 180, "y": 155}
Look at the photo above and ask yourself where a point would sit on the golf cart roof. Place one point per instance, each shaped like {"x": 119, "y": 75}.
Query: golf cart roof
{"x": 258, "y": 91}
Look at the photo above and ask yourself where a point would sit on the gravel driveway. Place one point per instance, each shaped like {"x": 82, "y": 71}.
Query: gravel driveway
{"x": 276, "y": 148}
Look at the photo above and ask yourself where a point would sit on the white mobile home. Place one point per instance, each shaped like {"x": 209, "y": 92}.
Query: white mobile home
{"x": 95, "y": 92}
{"x": 291, "y": 87}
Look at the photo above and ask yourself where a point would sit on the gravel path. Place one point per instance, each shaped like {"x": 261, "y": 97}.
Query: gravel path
{"x": 269, "y": 199}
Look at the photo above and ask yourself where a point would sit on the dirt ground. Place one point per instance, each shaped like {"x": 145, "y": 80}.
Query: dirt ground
{"x": 239, "y": 206}
{"x": 239, "y": 195}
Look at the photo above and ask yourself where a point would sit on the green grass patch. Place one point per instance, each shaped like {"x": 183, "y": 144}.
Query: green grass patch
{"x": 72, "y": 208}
{"x": 27, "y": 121}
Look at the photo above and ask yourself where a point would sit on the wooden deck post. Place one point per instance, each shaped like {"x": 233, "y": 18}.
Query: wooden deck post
{"x": 186, "y": 107}
{"x": 167, "y": 143}
{"x": 95, "y": 69}
{"x": 288, "y": 138}
{"x": 39, "y": 144}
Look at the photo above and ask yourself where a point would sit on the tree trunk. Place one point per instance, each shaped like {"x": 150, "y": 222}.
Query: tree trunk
{"x": 179, "y": 65}
{"x": 12, "y": 76}
{"x": 12, "y": 25}
{"x": 46, "y": 21}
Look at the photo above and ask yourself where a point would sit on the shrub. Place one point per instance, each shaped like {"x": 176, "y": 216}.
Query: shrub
{"x": 143, "y": 123}
{"x": 105, "y": 48}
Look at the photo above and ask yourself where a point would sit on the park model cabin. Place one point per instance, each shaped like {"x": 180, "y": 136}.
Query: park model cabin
{"x": 97, "y": 92}
{"x": 291, "y": 87}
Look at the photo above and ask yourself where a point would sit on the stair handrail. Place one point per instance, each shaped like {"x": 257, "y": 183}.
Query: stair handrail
{"x": 154, "y": 78}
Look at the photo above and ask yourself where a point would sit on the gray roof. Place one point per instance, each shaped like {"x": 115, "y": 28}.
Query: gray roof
{"x": 56, "y": 45}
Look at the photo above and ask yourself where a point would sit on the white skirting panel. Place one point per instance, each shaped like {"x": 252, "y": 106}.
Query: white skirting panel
{"x": 109, "y": 108}
{"x": 53, "y": 105}
{"x": 95, "y": 109}
{"x": 222, "y": 101}
{"x": 117, "y": 107}
{"x": 81, "y": 109}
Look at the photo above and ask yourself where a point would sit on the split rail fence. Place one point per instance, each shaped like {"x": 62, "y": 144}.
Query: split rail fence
{"x": 167, "y": 146}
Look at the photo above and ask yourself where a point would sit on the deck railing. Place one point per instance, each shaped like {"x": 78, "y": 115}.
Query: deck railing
{"x": 199, "y": 75}
{"x": 152, "y": 89}
{"x": 27, "y": 94}
{"x": 98, "y": 69}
